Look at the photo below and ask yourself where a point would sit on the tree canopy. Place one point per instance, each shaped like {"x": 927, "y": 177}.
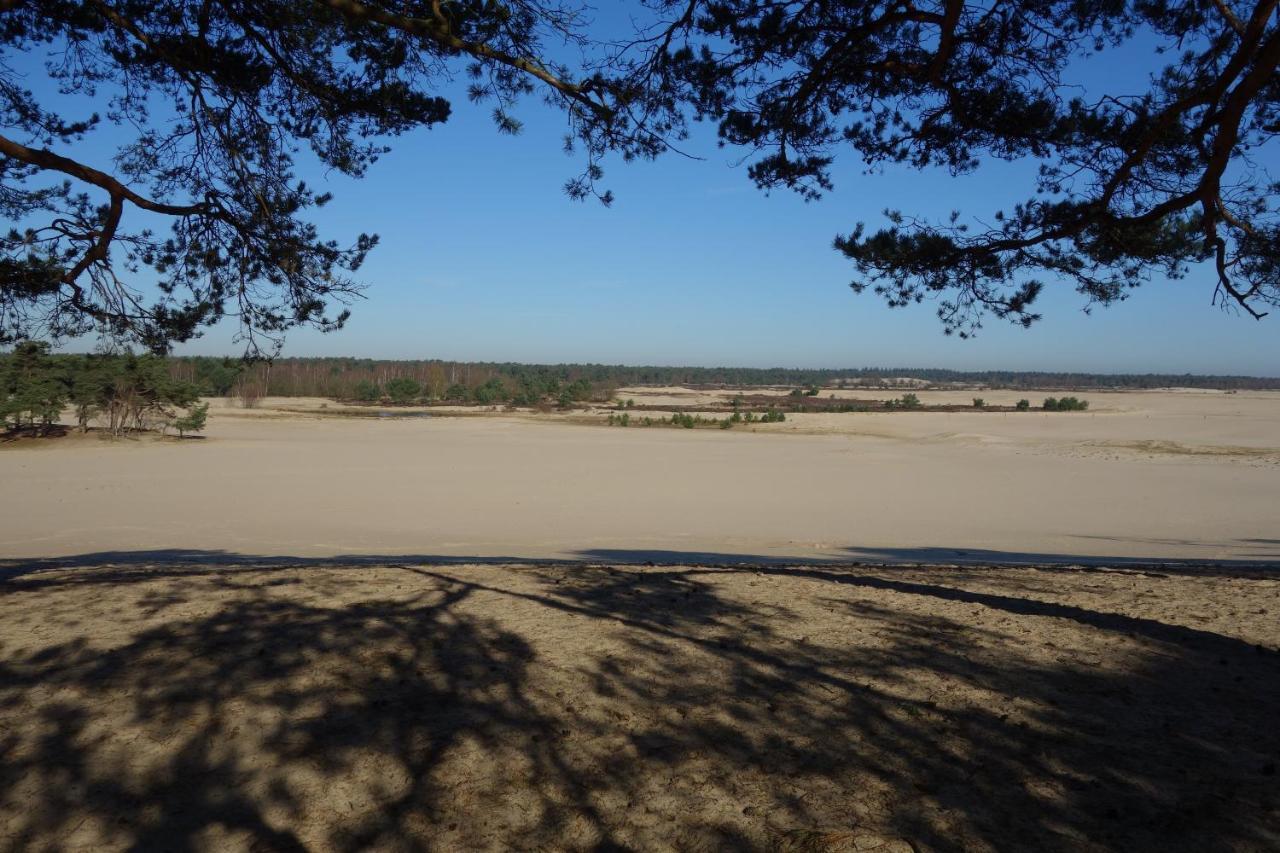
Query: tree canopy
{"x": 125, "y": 392}
{"x": 223, "y": 95}
{"x": 1129, "y": 182}
{"x": 220, "y": 97}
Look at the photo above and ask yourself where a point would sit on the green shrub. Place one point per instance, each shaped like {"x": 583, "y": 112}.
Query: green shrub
{"x": 402, "y": 389}
{"x": 493, "y": 391}
{"x": 979, "y": 403}
{"x": 577, "y": 391}
{"x": 683, "y": 419}
{"x": 367, "y": 392}
{"x": 1023, "y": 405}
{"x": 910, "y": 401}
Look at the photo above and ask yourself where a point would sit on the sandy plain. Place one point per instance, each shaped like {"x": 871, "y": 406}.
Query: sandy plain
{"x": 891, "y": 632}
{"x": 1159, "y": 476}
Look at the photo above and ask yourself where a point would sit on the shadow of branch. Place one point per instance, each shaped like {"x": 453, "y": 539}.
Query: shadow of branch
{"x": 297, "y": 704}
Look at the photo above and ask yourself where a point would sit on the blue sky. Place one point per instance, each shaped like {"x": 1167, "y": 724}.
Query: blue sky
{"x": 484, "y": 258}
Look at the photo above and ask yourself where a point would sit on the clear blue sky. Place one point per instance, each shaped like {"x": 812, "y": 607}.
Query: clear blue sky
{"x": 484, "y": 258}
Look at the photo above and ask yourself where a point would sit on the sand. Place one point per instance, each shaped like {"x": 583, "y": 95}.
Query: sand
{"x": 326, "y": 705}
{"x": 900, "y": 632}
{"x": 1146, "y": 476}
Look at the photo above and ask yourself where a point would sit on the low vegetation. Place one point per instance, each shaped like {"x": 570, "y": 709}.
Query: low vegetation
{"x": 906, "y": 401}
{"x": 1065, "y": 404}
{"x": 769, "y": 416}
{"x": 687, "y": 420}
{"x": 403, "y": 389}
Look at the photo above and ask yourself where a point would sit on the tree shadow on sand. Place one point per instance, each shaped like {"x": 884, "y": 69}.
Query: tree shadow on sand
{"x": 320, "y": 705}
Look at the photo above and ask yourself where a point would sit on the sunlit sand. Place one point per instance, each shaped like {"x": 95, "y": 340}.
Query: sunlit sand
{"x": 1161, "y": 476}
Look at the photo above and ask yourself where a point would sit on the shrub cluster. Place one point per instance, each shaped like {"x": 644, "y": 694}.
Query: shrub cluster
{"x": 811, "y": 391}
{"x": 1065, "y": 404}
{"x": 848, "y": 407}
{"x": 402, "y": 389}
{"x": 770, "y": 416}
{"x": 686, "y": 420}
{"x": 906, "y": 401}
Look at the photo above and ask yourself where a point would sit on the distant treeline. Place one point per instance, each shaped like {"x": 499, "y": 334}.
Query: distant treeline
{"x": 350, "y": 378}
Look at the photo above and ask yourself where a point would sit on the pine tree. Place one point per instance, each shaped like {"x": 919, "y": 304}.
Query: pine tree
{"x": 193, "y": 420}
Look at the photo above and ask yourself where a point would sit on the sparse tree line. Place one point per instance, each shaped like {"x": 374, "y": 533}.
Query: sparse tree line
{"x": 397, "y": 382}
{"x": 122, "y": 393}
{"x": 769, "y": 408}
{"x": 686, "y": 420}
{"x": 405, "y": 390}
